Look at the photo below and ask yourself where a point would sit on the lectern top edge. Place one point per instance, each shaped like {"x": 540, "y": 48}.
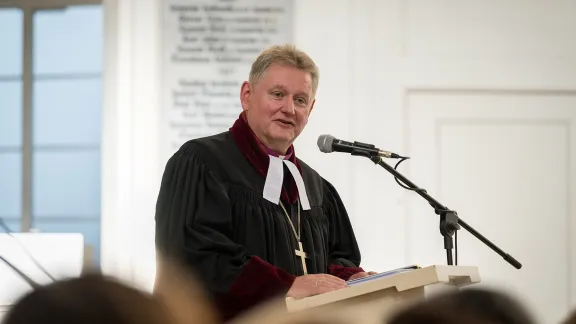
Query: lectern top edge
{"x": 457, "y": 276}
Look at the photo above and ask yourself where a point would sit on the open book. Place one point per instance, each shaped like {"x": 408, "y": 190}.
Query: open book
{"x": 382, "y": 274}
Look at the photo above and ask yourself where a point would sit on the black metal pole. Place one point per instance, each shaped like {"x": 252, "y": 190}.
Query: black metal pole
{"x": 24, "y": 277}
{"x": 449, "y": 219}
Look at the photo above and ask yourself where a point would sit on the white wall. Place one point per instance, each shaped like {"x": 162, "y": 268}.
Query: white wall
{"x": 435, "y": 80}
{"x": 131, "y": 170}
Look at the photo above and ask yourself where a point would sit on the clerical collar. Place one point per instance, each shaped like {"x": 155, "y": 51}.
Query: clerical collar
{"x": 282, "y": 157}
{"x": 261, "y": 158}
{"x": 275, "y": 178}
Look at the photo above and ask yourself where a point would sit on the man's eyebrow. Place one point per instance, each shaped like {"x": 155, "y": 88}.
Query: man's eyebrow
{"x": 303, "y": 94}
{"x": 278, "y": 87}
{"x": 283, "y": 88}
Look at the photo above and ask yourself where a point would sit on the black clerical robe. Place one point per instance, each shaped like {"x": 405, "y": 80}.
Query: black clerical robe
{"x": 211, "y": 214}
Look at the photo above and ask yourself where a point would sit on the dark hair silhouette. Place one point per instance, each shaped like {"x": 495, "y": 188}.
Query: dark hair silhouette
{"x": 474, "y": 306}
{"x": 90, "y": 299}
{"x": 571, "y": 319}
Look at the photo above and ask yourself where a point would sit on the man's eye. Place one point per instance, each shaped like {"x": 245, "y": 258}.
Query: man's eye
{"x": 277, "y": 94}
{"x": 301, "y": 101}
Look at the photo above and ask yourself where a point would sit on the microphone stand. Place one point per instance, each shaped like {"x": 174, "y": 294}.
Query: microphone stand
{"x": 449, "y": 220}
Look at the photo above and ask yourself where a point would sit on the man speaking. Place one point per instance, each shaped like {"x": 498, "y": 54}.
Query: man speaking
{"x": 239, "y": 208}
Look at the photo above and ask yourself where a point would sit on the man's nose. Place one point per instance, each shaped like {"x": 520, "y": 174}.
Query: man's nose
{"x": 288, "y": 107}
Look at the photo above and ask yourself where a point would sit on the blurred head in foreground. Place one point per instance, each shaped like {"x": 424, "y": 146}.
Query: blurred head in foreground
{"x": 571, "y": 319}
{"x": 96, "y": 299}
{"x": 89, "y": 299}
{"x": 473, "y": 306}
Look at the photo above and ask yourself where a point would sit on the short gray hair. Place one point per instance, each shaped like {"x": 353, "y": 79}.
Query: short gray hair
{"x": 286, "y": 54}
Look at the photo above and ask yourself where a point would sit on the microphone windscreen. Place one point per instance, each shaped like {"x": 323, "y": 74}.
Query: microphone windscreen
{"x": 325, "y": 143}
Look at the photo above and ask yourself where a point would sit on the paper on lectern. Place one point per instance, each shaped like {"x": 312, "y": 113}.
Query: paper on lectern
{"x": 382, "y": 274}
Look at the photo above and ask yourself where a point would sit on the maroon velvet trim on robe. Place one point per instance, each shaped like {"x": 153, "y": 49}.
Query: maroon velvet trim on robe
{"x": 258, "y": 282}
{"x": 256, "y": 154}
{"x": 343, "y": 272}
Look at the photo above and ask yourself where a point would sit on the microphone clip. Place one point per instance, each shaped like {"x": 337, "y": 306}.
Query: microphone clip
{"x": 363, "y": 149}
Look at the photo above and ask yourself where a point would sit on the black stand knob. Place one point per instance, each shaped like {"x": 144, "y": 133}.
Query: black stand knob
{"x": 448, "y": 226}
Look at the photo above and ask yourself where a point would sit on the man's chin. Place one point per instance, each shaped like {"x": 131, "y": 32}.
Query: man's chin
{"x": 282, "y": 134}
{"x": 282, "y": 138}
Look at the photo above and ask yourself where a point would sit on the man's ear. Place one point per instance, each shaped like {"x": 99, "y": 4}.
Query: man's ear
{"x": 245, "y": 93}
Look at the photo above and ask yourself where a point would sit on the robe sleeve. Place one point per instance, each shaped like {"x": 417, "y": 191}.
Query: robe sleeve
{"x": 194, "y": 224}
{"x": 344, "y": 255}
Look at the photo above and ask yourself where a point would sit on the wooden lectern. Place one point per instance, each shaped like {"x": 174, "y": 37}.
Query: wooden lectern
{"x": 372, "y": 301}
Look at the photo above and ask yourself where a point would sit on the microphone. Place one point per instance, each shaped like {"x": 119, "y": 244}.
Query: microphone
{"x": 329, "y": 144}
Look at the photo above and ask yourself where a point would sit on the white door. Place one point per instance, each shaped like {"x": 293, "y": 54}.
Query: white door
{"x": 503, "y": 161}
{"x": 482, "y": 96}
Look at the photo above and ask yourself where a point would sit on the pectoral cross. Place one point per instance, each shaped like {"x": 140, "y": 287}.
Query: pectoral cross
{"x": 300, "y": 252}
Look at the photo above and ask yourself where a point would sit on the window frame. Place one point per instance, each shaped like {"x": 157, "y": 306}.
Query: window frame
{"x": 28, "y": 8}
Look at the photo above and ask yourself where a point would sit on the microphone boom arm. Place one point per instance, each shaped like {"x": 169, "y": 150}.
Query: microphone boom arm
{"x": 449, "y": 220}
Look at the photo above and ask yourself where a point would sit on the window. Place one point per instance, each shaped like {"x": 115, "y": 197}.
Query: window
{"x": 52, "y": 117}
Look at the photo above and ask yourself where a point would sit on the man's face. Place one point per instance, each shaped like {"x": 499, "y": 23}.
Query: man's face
{"x": 277, "y": 108}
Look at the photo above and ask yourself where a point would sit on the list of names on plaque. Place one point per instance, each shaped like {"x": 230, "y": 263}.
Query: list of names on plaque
{"x": 208, "y": 48}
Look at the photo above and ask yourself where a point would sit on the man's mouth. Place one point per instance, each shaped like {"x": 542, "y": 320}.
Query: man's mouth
{"x": 285, "y": 122}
